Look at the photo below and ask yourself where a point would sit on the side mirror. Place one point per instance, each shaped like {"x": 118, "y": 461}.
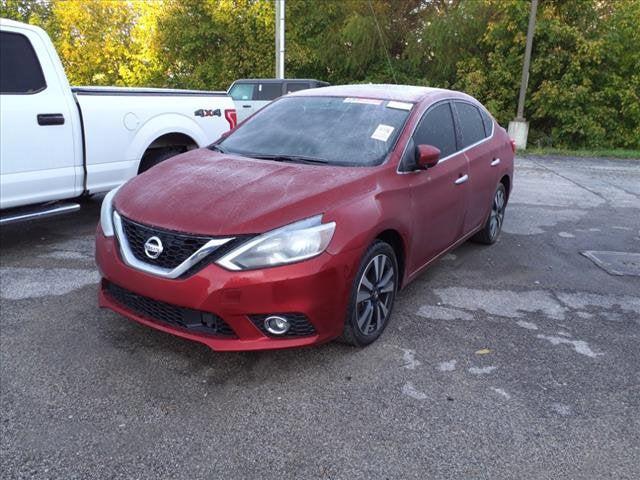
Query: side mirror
{"x": 427, "y": 156}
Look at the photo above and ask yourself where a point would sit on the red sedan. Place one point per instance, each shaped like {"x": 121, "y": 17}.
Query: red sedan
{"x": 301, "y": 225}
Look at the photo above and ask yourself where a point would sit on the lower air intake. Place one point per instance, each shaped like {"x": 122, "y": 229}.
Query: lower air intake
{"x": 173, "y": 315}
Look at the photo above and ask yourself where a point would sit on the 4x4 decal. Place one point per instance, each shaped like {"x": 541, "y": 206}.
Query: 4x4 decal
{"x": 207, "y": 113}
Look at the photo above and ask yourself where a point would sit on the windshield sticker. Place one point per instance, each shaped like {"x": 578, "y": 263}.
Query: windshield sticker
{"x": 383, "y": 132}
{"x": 399, "y": 105}
{"x": 366, "y": 101}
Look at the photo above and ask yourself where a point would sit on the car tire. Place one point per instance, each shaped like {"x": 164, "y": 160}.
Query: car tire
{"x": 154, "y": 157}
{"x": 492, "y": 228}
{"x": 372, "y": 296}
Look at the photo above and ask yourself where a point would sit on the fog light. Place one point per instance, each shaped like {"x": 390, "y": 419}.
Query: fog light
{"x": 276, "y": 325}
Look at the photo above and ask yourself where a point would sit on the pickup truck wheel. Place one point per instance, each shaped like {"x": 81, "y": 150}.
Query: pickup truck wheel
{"x": 372, "y": 296}
{"x": 154, "y": 157}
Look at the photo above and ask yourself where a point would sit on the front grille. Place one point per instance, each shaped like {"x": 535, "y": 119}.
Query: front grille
{"x": 173, "y": 315}
{"x": 177, "y": 247}
{"x": 300, "y": 325}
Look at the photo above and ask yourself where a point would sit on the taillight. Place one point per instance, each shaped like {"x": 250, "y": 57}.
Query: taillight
{"x": 513, "y": 144}
{"x": 231, "y": 117}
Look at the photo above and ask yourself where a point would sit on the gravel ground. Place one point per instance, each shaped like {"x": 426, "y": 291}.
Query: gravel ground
{"x": 519, "y": 360}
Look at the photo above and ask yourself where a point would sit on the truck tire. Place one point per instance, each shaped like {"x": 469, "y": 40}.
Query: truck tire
{"x": 154, "y": 157}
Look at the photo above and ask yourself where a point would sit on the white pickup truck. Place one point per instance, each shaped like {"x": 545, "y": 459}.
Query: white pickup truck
{"x": 59, "y": 144}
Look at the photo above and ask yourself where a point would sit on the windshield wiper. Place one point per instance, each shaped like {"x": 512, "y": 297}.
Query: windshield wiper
{"x": 216, "y": 148}
{"x": 292, "y": 158}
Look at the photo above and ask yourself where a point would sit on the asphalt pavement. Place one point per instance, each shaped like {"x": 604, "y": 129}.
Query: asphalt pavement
{"x": 519, "y": 360}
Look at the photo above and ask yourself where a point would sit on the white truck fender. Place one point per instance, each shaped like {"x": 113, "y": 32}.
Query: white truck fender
{"x": 161, "y": 125}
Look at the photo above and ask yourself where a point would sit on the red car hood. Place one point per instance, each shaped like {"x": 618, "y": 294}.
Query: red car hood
{"x": 215, "y": 194}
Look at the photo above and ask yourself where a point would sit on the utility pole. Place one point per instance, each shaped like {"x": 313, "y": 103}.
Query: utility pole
{"x": 519, "y": 127}
{"x": 279, "y": 38}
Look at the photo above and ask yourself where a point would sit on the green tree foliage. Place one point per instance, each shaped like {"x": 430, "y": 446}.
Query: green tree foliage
{"x": 584, "y": 84}
{"x": 36, "y": 12}
{"x": 94, "y": 39}
{"x": 210, "y": 43}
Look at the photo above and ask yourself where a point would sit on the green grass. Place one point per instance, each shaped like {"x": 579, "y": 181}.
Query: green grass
{"x": 563, "y": 152}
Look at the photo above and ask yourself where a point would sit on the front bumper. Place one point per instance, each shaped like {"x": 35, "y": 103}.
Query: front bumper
{"x": 317, "y": 288}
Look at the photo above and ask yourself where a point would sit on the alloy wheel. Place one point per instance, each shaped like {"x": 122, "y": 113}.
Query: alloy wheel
{"x": 497, "y": 213}
{"x": 375, "y": 294}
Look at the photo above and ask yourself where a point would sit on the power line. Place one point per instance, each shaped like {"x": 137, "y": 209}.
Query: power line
{"x": 384, "y": 45}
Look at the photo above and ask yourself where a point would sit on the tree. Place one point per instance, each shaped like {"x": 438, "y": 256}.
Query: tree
{"x": 94, "y": 39}
{"x": 36, "y": 12}
{"x": 584, "y": 86}
{"x": 210, "y": 43}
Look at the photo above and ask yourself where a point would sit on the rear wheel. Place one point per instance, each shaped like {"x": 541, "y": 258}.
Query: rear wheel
{"x": 491, "y": 230}
{"x": 372, "y": 296}
{"x": 154, "y": 157}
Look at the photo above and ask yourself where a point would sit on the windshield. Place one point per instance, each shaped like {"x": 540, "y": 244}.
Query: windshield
{"x": 333, "y": 130}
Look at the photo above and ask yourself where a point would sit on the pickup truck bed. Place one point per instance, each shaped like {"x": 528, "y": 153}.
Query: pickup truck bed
{"x": 60, "y": 143}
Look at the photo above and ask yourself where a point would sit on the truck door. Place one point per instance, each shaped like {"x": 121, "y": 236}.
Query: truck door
{"x": 242, "y": 94}
{"x": 36, "y": 133}
{"x": 250, "y": 97}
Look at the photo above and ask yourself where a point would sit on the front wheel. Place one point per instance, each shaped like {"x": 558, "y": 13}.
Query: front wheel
{"x": 372, "y": 296}
{"x": 491, "y": 230}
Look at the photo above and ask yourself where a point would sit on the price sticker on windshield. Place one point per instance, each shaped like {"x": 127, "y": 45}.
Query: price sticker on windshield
{"x": 364, "y": 101}
{"x": 383, "y": 132}
{"x": 399, "y": 105}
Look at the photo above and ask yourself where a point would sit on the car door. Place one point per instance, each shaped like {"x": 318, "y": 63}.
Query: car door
{"x": 481, "y": 159}
{"x": 242, "y": 95}
{"x": 439, "y": 194}
{"x": 37, "y": 147}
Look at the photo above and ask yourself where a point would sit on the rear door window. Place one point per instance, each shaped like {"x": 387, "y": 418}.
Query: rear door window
{"x": 296, "y": 86}
{"x": 437, "y": 128}
{"x": 20, "y": 71}
{"x": 471, "y": 123}
{"x": 242, "y": 91}
{"x": 488, "y": 122}
{"x": 268, "y": 91}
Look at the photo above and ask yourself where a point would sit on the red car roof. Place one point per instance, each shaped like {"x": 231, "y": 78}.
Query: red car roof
{"x": 401, "y": 93}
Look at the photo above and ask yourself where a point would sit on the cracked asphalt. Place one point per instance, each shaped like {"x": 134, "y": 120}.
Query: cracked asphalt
{"x": 519, "y": 360}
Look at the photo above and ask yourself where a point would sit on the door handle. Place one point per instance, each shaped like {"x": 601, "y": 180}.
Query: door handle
{"x": 495, "y": 162}
{"x": 462, "y": 179}
{"x": 246, "y": 106}
{"x": 50, "y": 119}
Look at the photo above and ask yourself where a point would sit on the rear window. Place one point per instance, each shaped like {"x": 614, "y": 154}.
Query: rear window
{"x": 20, "y": 71}
{"x": 340, "y": 131}
{"x": 488, "y": 122}
{"x": 471, "y": 123}
{"x": 268, "y": 91}
{"x": 296, "y": 86}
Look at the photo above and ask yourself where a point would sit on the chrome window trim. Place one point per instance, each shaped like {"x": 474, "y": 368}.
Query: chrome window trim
{"x": 130, "y": 259}
{"x": 493, "y": 129}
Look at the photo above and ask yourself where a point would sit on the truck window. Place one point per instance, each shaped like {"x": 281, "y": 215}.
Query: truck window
{"x": 295, "y": 86}
{"x": 20, "y": 71}
{"x": 242, "y": 91}
{"x": 269, "y": 91}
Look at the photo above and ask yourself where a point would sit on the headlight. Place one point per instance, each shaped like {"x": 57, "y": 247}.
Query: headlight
{"x": 291, "y": 243}
{"x": 106, "y": 213}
